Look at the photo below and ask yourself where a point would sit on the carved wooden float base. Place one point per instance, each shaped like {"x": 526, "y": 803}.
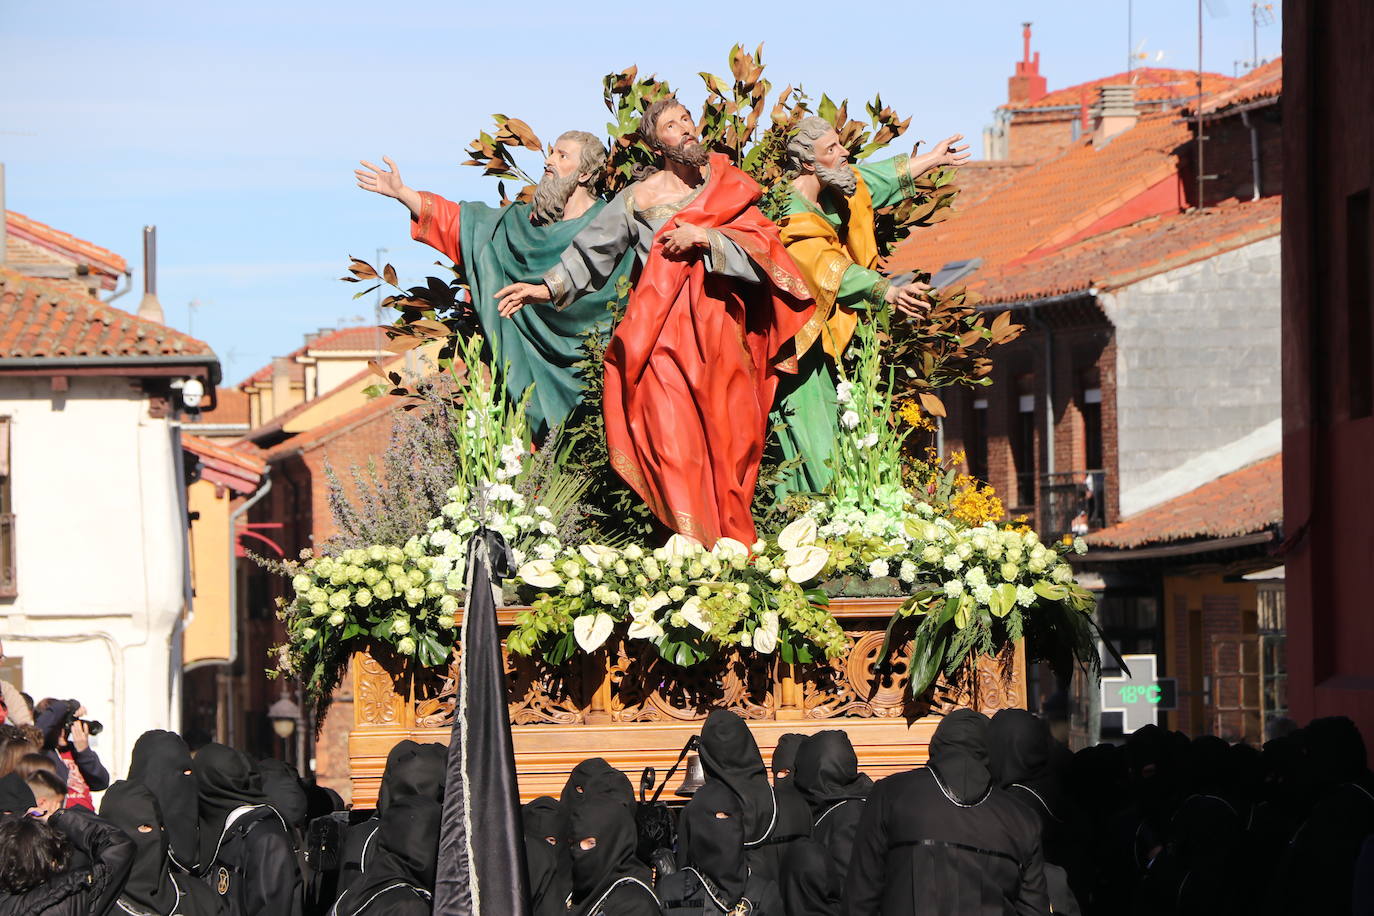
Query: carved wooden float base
{"x": 632, "y": 711}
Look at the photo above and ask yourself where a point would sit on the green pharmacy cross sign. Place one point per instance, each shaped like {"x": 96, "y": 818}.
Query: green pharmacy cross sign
{"x": 1140, "y": 695}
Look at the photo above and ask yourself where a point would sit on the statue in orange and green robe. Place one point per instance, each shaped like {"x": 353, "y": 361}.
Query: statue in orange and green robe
{"x": 828, "y": 229}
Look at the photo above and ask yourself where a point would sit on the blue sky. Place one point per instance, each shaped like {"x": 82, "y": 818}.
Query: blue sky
{"x": 235, "y": 127}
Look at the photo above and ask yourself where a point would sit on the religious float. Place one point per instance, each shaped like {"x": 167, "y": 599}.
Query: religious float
{"x": 767, "y": 531}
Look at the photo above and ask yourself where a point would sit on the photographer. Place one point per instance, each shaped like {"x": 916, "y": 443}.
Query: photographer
{"x": 67, "y": 743}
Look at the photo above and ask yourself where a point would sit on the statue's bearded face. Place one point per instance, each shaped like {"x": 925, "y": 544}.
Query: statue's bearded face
{"x": 677, "y": 137}
{"x": 559, "y": 181}
{"x": 832, "y": 164}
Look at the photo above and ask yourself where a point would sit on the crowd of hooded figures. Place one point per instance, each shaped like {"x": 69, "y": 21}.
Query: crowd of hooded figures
{"x": 1001, "y": 819}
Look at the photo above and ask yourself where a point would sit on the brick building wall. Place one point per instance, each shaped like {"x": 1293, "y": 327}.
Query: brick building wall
{"x": 1038, "y": 135}
{"x": 1210, "y": 628}
{"x": 1229, "y": 155}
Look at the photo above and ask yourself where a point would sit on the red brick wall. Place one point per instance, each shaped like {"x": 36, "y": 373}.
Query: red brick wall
{"x": 1227, "y": 155}
{"x": 1040, "y": 135}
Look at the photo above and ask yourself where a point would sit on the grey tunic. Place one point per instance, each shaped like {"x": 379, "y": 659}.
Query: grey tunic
{"x": 591, "y": 258}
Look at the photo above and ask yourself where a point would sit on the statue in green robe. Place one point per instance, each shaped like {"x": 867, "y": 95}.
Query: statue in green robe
{"x": 497, "y": 246}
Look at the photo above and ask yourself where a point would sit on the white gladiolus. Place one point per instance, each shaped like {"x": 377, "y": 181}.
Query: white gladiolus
{"x": 592, "y": 630}
{"x": 868, "y": 441}
{"x": 844, "y": 392}
{"x": 849, "y": 419}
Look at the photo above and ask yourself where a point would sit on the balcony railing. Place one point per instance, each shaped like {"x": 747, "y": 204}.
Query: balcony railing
{"x": 1073, "y": 502}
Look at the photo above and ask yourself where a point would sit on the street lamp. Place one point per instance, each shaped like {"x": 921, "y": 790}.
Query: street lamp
{"x": 284, "y": 714}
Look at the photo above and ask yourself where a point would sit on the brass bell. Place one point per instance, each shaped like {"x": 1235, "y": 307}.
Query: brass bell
{"x": 694, "y": 779}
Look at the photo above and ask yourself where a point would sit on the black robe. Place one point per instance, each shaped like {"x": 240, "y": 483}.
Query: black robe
{"x": 828, "y": 777}
{"x": 812, "y": 884}
{"x": 399, "y": 880}
{"x": 151, "y": 886}
{"x": 607, "y": 879}
{"x": 543, "y": 823}
{"x": 773, "y": 817}
{"x": 942, "y": 840}
{"x": 162, "y": 762}
{"x": 246, "y": 854}
{"x": 716, "y": 878}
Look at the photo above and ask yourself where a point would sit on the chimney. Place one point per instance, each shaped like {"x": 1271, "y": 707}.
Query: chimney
{"x": 150, "y": 309}
{"x": 281, "y": 384}
{"x": 1027, "y": 86}
{"x": 1116, "y": 112}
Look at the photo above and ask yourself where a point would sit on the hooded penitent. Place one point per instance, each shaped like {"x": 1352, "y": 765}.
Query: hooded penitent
{"x": 134, "y": 809}
{"x": 611, "y": 858}
{"x": 226, "y": 779}
{"x": 959, "y": 756}
{"x": 812, "y": 883}
{"x": 406, "y": 854}
{"x": 730, "y": 754}
{"x": 162, "y": 763}
{"x": 716, "y": 847}
{"x": 413, "y": 769}
{"x": 827, "y": 771}
{"x": 281, "y": 784}
{"x": 543, "y": 820}
{"x": 595, "y": 779}
{"x": 1019, "y": 746}
{"x": 784, "y": 763}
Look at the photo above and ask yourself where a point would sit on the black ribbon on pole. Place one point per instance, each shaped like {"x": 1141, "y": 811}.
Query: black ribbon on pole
{"x": 481, "y": 844}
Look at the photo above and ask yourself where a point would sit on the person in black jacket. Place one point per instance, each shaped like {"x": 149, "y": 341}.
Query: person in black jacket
{"x": 162, "y": 763}
{"x": 942, "y": 840}
{"x": 607, "y": 879}
{"x": 245, "y": 846}
{"x": 399, "y": 880}
{"x": 36, "y": 877}
{"x": 152, "y": 888}
{"x": 716, "y": 879}
{"x": 411, "y": 769}
{"x": 773, "y": 818}
{"x": 828, "y": 777}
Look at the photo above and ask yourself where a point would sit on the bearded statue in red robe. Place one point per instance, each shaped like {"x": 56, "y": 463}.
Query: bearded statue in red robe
{"x": 715, "y": 308}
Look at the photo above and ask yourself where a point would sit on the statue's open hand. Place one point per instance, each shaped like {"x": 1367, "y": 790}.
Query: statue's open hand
{"x": 948, "y": 152}
{"x": 511, "y": 299}
{"x": 374, "y": 178}
{"x": 910, "y": 300}
{"x": 679, "y": 243}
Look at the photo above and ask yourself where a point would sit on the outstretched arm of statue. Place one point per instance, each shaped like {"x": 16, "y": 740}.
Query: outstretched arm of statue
{"x": 587, "y": 263}
{"x": 946, "y": 152}
{"x": 388, "y": 184}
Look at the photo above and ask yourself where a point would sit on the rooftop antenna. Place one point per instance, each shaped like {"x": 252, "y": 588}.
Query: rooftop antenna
{"x": 1260, "y": 14}
{"x": 1214, "y": 8}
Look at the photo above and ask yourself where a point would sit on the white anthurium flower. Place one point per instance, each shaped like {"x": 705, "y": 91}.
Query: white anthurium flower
{"x": 801, "y": 533}
{"x": 681, "y": 547}
{"x": 598, "y": 555}
{"x": 540, "y": 574}
{"x": 766, "y": 633}
{"x": 694, "y": 613}
{"x": 727, "y": 548}
{"x": 591, "y": 630}
{"x": 657, "y": 602}
{"x": 805, "y": 563}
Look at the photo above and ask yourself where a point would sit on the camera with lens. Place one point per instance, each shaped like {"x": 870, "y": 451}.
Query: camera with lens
{"x": 70, "y": 716}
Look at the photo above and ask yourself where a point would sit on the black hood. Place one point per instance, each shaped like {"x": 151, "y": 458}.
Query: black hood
{"x": 15, "y": 795}
{"x": 730, "y": 754}
{"x": 413, "y": 769}
{"x": 612, "y": 858}
{"x": 828, "y": 770}
{"x": 162, "y": 763}
{"x": 785, "y": 758}
{"x": 283, "y": 786}
{"x": 543, "y": 818}
{"x": 129, "y": 806}
{"x": 225, "y": 779}
{"x": 715, "y": 831}
{"x": 596, "y": 779}
{"x": 1022, "y": 752}
{"x": 407, "y": 851}
{"x": 959, "y": 756}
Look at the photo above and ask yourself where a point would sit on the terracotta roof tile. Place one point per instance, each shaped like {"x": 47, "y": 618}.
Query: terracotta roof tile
{"x": 242, "y": 458}
{"x": 363, "y": 337}
{"x": 1242, "y": 502}
{"x": 1047, "y": 205}
{"x": 1153, "y": 84}
{"x": 1128, "y": 254}
{"x": 325, "y": 432}
{"x": 231, "y": 407}
{"x": 1261, "y": 83}
{"x": 41, "y": 318}
{"x": 69, "y": 246}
